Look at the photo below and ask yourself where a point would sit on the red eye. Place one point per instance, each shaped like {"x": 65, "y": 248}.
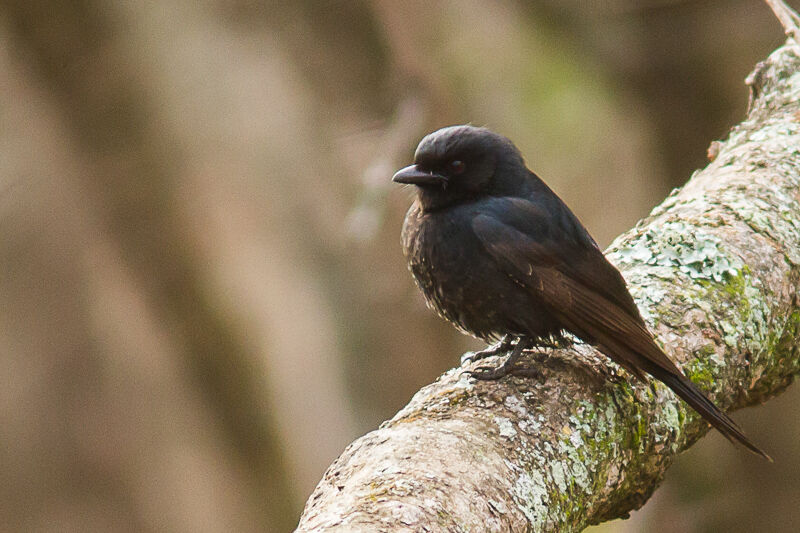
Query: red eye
{"x": 457, "y": 166}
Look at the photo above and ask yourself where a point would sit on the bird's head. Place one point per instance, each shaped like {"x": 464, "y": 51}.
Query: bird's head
{"x": 459, "y": 164}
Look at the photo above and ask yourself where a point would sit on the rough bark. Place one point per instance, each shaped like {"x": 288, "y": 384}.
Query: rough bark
{"x": 714, "y": 269}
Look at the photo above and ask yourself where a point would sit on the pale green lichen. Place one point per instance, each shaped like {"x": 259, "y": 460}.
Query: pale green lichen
{"x": 505, "y": 426}
{"x": 774, "y": 218}
{"x": 580, "y": 474}
{"x": 559, "y": 475}
{"x": 683, "y": 245}
{"x": 531, "y": 494}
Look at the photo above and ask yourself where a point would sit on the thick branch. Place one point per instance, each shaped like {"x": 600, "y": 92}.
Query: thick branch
{"x": 714, "y": 269}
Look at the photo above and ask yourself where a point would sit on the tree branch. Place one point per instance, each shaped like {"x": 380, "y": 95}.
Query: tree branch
{"x": 714, "y": 269}
{"x": 787, "y": 16}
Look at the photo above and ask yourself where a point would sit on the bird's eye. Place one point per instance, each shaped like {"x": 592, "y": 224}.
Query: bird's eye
{"x": 457, "y": 166}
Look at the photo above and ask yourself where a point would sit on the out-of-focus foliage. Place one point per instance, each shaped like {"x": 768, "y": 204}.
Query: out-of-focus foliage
{"x": 203, "y": 294}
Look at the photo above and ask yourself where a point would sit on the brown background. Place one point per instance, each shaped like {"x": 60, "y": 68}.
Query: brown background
{"x": 203, "y": 296}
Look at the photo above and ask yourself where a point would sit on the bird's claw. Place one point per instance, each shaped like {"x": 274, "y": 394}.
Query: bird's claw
{"x": 472, "y": 357}
{"x": 469, "y": 357}
{"x": 487, "y": 373}
{"x": 495, "y": 349}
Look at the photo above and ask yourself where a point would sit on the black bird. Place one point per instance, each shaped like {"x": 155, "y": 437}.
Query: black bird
{"x": 498, "y": 254}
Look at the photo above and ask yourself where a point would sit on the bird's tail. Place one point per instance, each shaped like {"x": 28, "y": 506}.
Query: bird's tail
{"x": 624, "y": 338}
{"x": 638, "y": 351}
{"x": 689, "y": 392}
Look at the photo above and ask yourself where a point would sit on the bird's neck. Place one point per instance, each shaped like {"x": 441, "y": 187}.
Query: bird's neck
{"x": 432, "y": 200}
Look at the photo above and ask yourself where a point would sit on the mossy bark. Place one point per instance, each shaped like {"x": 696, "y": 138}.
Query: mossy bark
{"x": 714, "y": 269}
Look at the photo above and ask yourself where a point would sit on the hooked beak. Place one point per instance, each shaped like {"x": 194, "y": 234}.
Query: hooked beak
{"x": 414, "y": 176}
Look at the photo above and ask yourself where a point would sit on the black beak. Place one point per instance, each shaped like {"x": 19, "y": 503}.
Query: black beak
{"x": 414, "y": 176}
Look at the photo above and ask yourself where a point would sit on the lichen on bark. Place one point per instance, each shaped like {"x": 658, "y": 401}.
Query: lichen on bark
{"x": 714, "y": 269}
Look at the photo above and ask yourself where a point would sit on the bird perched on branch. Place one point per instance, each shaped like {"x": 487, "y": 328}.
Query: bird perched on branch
{"x": 497, "y": 253}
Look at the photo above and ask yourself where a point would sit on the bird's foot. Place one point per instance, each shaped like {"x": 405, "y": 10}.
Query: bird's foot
{"x": 488, "y": 373}
{"x": 494, "y": 349}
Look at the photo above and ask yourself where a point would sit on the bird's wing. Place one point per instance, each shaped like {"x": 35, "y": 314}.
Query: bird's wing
{"x": 579, "y": 288}
{"x": 563, "y": 243}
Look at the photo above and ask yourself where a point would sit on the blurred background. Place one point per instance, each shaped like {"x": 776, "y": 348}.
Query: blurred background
{"x": 204, "y": 298}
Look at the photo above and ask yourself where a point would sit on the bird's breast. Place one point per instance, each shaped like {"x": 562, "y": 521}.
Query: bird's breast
{"x": 458, "y": 278}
